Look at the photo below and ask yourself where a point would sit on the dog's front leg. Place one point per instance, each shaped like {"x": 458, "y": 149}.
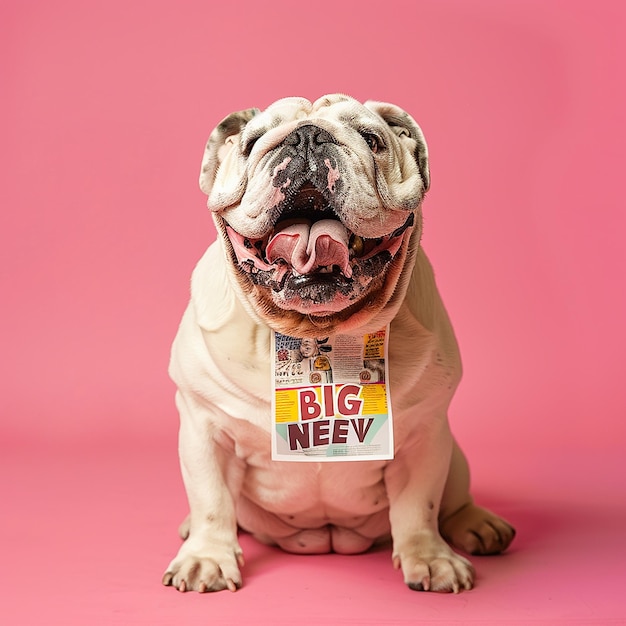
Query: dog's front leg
{"x": 210, "y": 558}
{"x": 415, "y": 480}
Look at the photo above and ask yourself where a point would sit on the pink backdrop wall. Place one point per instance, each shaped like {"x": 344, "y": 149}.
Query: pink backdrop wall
{"x": 105, "y": 109}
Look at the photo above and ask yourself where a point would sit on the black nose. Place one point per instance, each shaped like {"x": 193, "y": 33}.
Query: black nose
{"x": 306, "y": 155}
{"x": 307, "y": 136}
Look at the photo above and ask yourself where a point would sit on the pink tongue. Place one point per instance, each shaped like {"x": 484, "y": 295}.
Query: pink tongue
{"x": 307, "y": 247}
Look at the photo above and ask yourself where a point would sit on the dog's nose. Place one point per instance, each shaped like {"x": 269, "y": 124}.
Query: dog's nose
{"x": 307, "y": 136}
{"x": 308, "y": 148}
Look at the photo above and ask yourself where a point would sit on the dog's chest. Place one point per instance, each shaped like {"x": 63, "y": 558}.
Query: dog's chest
{"x": 242, "y": 380}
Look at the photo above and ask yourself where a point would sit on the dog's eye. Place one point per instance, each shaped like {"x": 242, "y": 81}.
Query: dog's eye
{"x": 249, "y": 144}
{"x": 372, "y": 141}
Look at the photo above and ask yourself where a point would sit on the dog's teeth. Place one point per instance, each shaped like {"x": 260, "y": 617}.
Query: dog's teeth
{"x": 356, "y": 245}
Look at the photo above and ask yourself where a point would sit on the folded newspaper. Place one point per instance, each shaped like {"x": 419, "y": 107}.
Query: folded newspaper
{"x": 330, "y": 399}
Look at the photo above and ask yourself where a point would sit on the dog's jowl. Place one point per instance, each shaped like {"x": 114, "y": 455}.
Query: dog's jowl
{"x": 318, "y": 210}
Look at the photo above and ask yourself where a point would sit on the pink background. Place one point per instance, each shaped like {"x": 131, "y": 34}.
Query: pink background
{"x": 105, "y": 110}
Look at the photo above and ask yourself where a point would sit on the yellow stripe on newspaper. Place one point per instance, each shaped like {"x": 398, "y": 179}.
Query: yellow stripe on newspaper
{"x": 330, "y": 401}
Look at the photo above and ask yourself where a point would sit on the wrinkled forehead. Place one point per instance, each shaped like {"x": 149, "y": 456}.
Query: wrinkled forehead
{"x": 337, "y": 107}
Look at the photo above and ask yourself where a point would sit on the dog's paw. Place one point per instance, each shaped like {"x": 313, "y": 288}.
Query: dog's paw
{"x": 477, "y": 531}
{"x": 432, "y": 566}
{"x": 213, "y": 570}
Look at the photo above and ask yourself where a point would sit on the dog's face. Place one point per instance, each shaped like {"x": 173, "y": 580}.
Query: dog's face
{"x": 319, "y": 208}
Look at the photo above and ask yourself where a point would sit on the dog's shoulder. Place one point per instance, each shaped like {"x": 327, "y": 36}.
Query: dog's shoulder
{"x": 423, "y": 299}
{"x": 218, "y": 346}
{"x": 424, "y": 359}
{"x": 424, "y": 315}
{"x": 212, "y": 297}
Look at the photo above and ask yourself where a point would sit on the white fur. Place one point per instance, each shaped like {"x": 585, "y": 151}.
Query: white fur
{"x": 221, "y": 365}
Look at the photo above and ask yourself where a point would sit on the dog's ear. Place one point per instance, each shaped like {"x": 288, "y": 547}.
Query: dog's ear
{"x": 406, "y": 129}
{"x": 221, "y": 141}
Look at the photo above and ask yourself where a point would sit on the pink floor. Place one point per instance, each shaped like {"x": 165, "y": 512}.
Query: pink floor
{"x": 87, "y": 532}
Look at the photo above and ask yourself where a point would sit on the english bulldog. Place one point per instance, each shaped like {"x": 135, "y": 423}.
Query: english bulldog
{"x": 318, "y": 210}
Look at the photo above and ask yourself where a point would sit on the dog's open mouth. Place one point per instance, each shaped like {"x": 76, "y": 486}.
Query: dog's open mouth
{"x": 310, "y": 247}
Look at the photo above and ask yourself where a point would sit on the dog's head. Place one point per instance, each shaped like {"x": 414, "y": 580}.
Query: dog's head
{"x": 319, "y": 209}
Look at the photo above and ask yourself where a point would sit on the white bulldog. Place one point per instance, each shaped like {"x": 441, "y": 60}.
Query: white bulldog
{"x": 318, "y": 213}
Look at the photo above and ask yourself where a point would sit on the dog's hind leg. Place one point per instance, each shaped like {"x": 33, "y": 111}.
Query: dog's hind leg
{"x": 463, "y": 524}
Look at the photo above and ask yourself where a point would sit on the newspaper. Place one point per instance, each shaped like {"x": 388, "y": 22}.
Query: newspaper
{"x": 330, "y": 399}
